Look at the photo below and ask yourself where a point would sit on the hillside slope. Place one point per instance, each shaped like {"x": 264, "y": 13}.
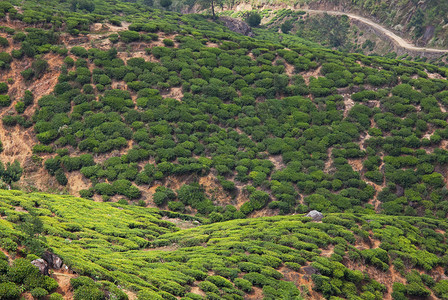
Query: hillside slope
{"x": 197, "y": 152}
{"x": 423, "y": 22}
{"x": 186, "y": 115}
{"x": 290, "y": 257}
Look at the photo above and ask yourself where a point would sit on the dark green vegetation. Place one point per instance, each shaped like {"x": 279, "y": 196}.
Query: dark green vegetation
{"x": 134, "y": 248}
{"x": 291, "y": 130}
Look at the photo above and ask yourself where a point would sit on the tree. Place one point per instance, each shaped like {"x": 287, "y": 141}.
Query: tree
{"x": 11, "y": 173}
{"x": 253, "y": 19}
{"x": 165, "y": 3}
{"x": 32, "y": 227}
{"x": 211, "y": 4}
{"x": 287, "y": 26}
{"x": 60, "y": 177}
{"x": 148, "y": 2}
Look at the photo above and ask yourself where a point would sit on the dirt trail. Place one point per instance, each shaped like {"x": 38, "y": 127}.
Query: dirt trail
{"x": 63, "y": 279}
{"x": 395, "y": 38}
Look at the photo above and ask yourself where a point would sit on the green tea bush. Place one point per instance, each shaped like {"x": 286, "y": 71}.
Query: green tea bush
{"x": 3, "y": 87}
{"x": 88, "y": 292}
{"x": 39, "y": 293}
{"x": 9, "y": 290}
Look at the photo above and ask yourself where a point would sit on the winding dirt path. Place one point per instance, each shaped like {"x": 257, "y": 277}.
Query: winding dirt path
{"x": 395, "y": 38}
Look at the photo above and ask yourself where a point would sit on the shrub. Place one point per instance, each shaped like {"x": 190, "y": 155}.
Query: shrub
{"x": 8, "y": 244}
{"x": 243, "y": 285}
{"x": 60, "y": 177}
{"x": 148, "y": 295}
{"x": 79, "y": 51}
{"x": 20, "y": 107}
{"x": 81, "y": 281}
{"x": 249, "y": 267}
{"x": 176, "y": 206}
{"x": 129, "y": 36}
{"x": 19, "y": 37}
{"x": 4, "y": 42}
{"x": 70, "y": 62}
{"x": 219, "y": 281}
{"x": 417, "y": 290}
{"x": 168, "y": 42}
{"x": 5, "y": 100}
{"x": 287, "y": 26}
{"x": 173, "y": 288}
{"x": 256, "y": 279}
{"x": 165, "y": 3}
{"x": 9, "y": 290}
{"x": 56, "y": 296}
{"x": 441, "y": 289}
{"x": 27, "y": 74}
{"x": 21, "y": 269}
{"x": 5, "y": 58}
{"x": 39, "y": 67}
{"x": 39, "y": 293}
{"x": 208, "y": 287}
{"x": 253, "y": 19}
{"x": 3, "y": 87}
{"x": 104, "y": 80}
{"x": 88, "y": 292}
{"x": 28, "y": 98}
{"x": 17, "y": 54}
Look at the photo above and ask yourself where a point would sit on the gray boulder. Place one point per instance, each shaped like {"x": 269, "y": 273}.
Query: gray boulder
{"x": 315, "y": 215}
{"x": 41, "y": 265}
{"x": 53, "y": 260}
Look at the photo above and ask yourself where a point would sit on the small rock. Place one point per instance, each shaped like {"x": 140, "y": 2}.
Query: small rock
{"x": 310, "y": 270}
{"x": 400, "y": 190}
{"x": 315, "y": 215}
{"x": 41, "y": 265}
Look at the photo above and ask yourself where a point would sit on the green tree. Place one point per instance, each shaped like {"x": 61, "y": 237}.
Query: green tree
{"x": 287, "y": 26}
{"x": 211, "y": 4}
{"x": 165, "y": 3}
{"x": 253, "y": 19}
{"x": 11, "y": 173}
{"x": 32, "y": 227}
{"x": 39, "y": 67}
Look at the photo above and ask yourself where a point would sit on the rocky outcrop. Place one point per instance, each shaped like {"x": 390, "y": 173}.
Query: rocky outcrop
{"x": 315, "y": 215}
{"x": 48, "y": 261}
{"x": 54, "y": 261}
{"x": 42, "y": 265}
{"x": 237, "y": 26}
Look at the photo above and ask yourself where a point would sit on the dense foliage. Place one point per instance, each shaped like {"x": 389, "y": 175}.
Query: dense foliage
{"x": 286, "y": 130}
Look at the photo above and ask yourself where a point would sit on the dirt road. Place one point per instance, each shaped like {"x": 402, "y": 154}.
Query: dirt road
{"x": 395, "y": 38}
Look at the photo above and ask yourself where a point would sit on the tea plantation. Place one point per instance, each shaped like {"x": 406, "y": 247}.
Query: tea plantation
{"x": 197, "y": 151}
{"x": 345, "y": 255}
